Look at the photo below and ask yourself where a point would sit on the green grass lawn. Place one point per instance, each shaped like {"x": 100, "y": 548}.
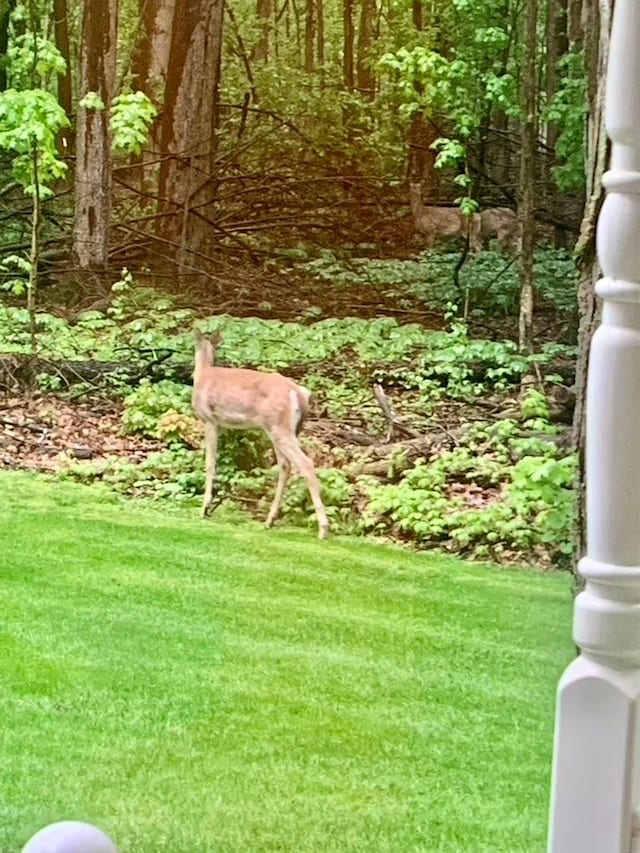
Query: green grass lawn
{"x": 196, "y": 686}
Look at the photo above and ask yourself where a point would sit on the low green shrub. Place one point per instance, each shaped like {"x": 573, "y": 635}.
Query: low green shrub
{"x": 489, "y": 281}
{"x": 503, "y": 490}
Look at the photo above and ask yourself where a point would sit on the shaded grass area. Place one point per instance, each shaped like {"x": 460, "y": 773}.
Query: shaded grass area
{"x": 212, "y": 686}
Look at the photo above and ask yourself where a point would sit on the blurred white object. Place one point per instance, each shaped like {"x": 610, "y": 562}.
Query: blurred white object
{"x": 70, "y": 836}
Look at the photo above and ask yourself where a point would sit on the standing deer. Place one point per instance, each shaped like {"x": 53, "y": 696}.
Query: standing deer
{"x": 235, "y": 398}
{"x": 441, "y": 223}
{"x": 502, "y": 224}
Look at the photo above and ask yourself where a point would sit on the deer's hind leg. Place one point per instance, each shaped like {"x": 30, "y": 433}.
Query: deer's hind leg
{"x": 211, "y": 452}
{"x": 290, "y": 447}
{"x": 284, "y": 473}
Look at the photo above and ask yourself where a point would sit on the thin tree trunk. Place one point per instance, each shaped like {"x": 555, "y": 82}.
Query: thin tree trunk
{"x": 321, "y": 35}
{"x": 61, "y": 30}
{"x": 597, "y": 25}
{"x": 366, "y": 81}
{"x": 557, "y": 47}
{"x": 6, "y": 7}
{"x": 348, "y": 76}
{"x": 264, "y": 11}
{"x": 252, "y": 95}
{"x": 310, "y": 28}
{"x": 526, "y": 209}
{"x": 348, "y": 65}
{"x": 93, "y": 138}
{"x": 65, "y": 89}
{"x": 34, "y": 255}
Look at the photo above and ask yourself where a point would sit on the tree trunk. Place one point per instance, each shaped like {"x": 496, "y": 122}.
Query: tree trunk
{"x": 348, "y": 65}
{"x": 149, "y": 69}
{"x": 150, "y": 64}
{"x": 93, "y": 139}
{"x": 310, "y": 28}
{"x": 320, "y": 47}
{"x": 264, "y": 11}
{"x": 557, "y": 47}
{"x": 65, "y": 92}
{"x": 366, "y": 81}
{"x": 596, "y": 30}
{"x": 526, "y": 208}
{"x": 6, "y": 7}
{"x": 188, "y": 127}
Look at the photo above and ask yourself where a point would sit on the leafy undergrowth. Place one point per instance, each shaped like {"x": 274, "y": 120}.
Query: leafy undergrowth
{"x": 489, "y": 280}
{"x": 195, "y": 686}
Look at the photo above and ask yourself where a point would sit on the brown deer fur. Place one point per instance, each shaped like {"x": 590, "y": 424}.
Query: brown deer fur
{"x": 234, "y": 398}
{"x": 441, "y": 223}
{"x": 501, "y": 224}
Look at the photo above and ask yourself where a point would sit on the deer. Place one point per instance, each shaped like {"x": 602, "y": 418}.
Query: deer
{"x": 238, "y": 398}
{"x": 438, "y": 223}
{"x": 502, "y": 224}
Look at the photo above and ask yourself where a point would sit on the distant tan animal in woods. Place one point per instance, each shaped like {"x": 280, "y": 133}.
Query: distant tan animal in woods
{"x": 501, "y": 224}
{"x": 235, "y": 398}
{"x": 438, "y": 224}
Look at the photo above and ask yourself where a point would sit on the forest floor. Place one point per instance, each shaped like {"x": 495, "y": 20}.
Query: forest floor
{"x": 42, "y": 432}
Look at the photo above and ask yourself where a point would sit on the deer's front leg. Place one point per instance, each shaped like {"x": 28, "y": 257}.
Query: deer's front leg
{"x": 211, "y": 451}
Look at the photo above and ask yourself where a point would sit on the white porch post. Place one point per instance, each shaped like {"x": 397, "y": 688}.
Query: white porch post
{"x": 597, "y": 743}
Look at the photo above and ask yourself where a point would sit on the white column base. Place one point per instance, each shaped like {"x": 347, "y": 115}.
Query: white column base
{"x": 596, "y": 762}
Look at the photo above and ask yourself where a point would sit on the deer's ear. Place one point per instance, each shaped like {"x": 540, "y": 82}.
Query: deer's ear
{"x": 216, "y": 340}
{"x": 197, "y": 334}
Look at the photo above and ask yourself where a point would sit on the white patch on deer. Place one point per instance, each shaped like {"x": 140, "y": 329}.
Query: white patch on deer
{"x": 296, "y": 408}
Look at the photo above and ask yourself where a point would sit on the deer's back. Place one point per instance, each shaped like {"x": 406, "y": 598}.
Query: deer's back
{"x": 238, "y": 398}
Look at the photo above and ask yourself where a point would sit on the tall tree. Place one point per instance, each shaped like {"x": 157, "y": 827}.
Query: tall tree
{"x": 594, "y": 34}
{"x": 348, "y": 45}
{"x": 65, "y": 89}
{"x": 526, "y": 206}
{"x": 366, "y": 80}
{"x": 6, "y": 7}
{"x": 264, "y": 11}
{"x": 188, "y": 127}
{"x": 150, "y": 67}
{"x": 98, "y": 53}
{"x": 310, "y": 30}
{"x": 321, "y": 35}
{"x": 151, "y": 57}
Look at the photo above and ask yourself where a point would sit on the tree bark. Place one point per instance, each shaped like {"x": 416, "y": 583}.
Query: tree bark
{"x": 310, "y": 28}
{"x": 264, "y": 11}
{"x": 65, "y": 92}
{"x": 189, "y": 122}
{"x": 557, "y": 47}
{"x": 596, "y": 29}
{"x": 93, "y": 138}
{"x": 366, "y": 81}
{"x": 526, "y": 208}
{"x": 6, "y": 7}
{"x": 150, "y": 64}
{"x": 320, "y": 46}
{"x": 348, "y": 64}
{"x": 150, "y": 67}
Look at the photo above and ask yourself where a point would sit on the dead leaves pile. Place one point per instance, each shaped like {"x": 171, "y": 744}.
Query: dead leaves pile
{"x": 46, "y": 433}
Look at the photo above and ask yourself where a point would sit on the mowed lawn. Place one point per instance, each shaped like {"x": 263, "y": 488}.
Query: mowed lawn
{"x": 196, "y": 686}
